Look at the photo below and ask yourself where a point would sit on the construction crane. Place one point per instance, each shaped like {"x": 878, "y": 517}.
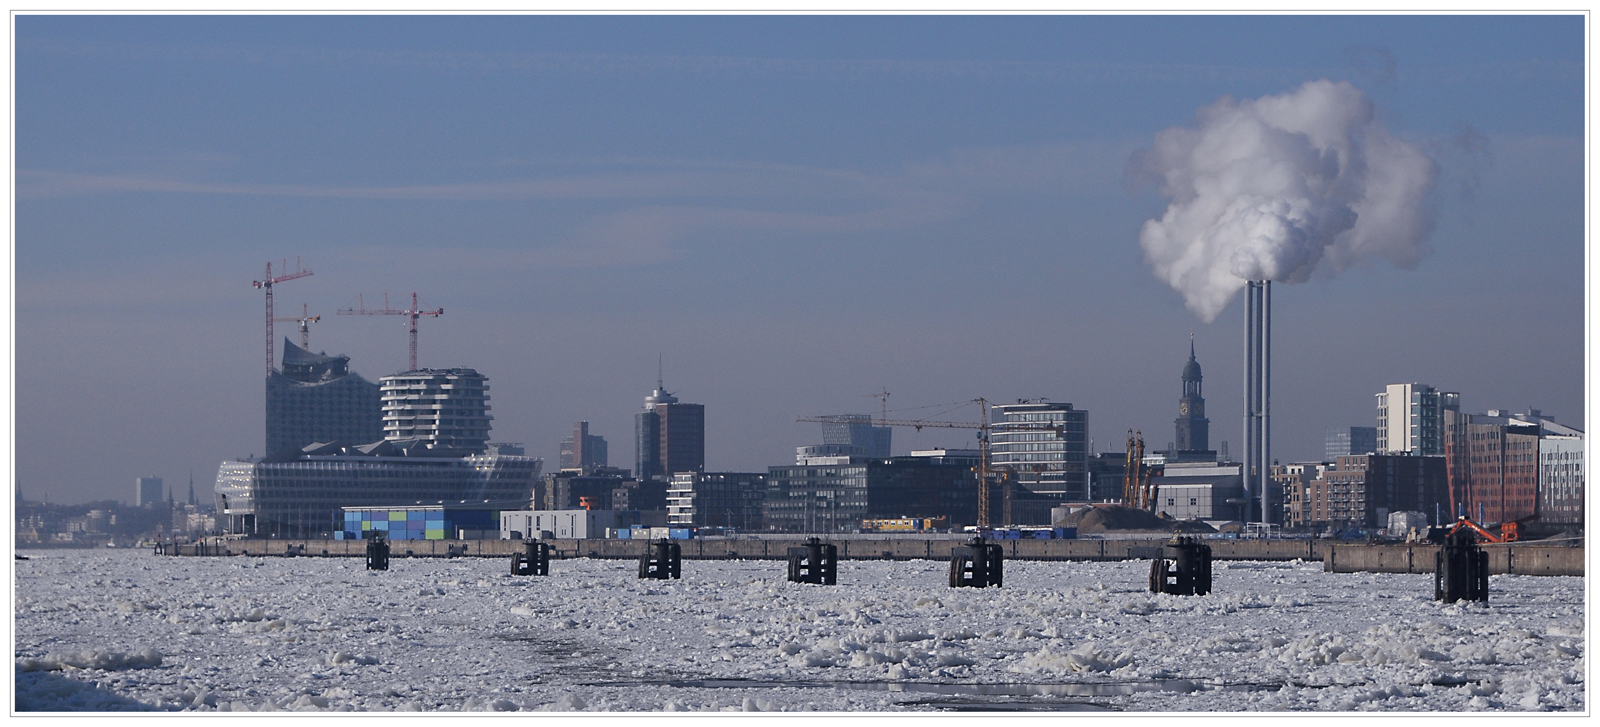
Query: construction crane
{"x": 983, "y": 426}
{"x": 413, "y": 313}
{"x": 267, "y": 282}
{"x": 305, "y": 322}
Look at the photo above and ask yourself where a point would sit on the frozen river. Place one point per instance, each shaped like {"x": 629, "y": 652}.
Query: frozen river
{"x": 126, "y": 630}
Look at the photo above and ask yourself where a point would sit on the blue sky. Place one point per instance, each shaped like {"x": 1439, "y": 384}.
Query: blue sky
{"x": 792, "y": 211}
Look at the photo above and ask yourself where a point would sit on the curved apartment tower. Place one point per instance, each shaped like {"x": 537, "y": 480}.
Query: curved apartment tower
{"x": 443, "y": 408}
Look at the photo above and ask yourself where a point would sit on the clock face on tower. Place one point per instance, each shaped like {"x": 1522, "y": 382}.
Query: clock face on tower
{"x": 1183, "y": 408}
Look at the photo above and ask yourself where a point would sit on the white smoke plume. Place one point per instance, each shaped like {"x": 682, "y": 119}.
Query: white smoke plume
{"x": 1271, "y": 188}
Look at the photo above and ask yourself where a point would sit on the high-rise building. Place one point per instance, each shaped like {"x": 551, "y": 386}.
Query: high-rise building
{"x": 669, "y": 437}
{"x": 317, "y": 398}
{"x": 443, "y": 408}
{"x": 1193, "y": 442}
{"x": 147, "y": 491}
{"x": 1046, "y": 445}
{"x": 583, "y": 450}
{"x": 1349, "y": 440}
{"x": 1411, "y": 418}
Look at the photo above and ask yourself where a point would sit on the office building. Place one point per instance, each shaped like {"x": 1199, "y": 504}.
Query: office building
{"x": 1349, "y": 440}
{"x": 1361, "y": 490}
{"x": 1504, "y": 483}
{"x": 442, "y": 408}
{"x": 147, "y": 491}
{"x": 1411, "y": 418}
{"x": 317, "y": 398}
{"x": 669, "y": 437}
{"x": 1107, "y": 474}
{"x": 856, "y": 430}
{"x": 303, "y": 495}
{"x": 1561, "y": 479}
{"x": 717, "y": 499}
{"x": 1193, "y": 439}
{"x": 574, "y": 489}
{"x": 1046, "y": 445}
{"x": 833, "y": 498}
{"x": 583, "y": 450}
{"x": 846, "y": 435}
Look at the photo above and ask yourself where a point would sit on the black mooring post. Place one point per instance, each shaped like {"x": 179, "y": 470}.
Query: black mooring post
{"x": 378, "y": 553}
{"x": 1188, "y": 573}
{"x": 978, "y": 564}
{"x": 662, "y": 559}
{"x": 534, "y": 560}
{"x": 815, "y": 562}
{"x": 1461, "y": 570}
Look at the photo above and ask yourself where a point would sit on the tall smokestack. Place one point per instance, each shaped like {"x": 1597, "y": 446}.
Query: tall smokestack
{"x": 1256, "y": 464}
{"x": 1275, "y": 189}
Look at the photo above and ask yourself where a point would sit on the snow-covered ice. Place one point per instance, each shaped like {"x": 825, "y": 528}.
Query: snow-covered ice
{"x": 125, "y": 630}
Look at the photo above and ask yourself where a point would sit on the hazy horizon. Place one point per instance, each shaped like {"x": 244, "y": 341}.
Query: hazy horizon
{"x": 792, "y": 212}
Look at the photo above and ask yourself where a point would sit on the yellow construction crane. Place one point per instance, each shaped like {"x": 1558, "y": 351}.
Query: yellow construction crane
{"x": 983, "y": 426}
{"x": 304, "y": 320}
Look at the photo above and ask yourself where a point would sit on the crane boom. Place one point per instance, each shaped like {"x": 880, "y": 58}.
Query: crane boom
{"x": 413, "y": 312}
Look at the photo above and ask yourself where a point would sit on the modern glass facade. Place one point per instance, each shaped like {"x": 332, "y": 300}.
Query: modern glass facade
{"x": 835, "y": 498}
{"x": 1046, "y": 445}
{"x": 1349, "y": 440}
{"x": 318, "y": 399}
{"x": 717, "y": 499}
{"x": 304, "y": 498}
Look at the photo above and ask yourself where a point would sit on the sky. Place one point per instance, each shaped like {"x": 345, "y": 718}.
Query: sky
{"x": 789, "y": 213}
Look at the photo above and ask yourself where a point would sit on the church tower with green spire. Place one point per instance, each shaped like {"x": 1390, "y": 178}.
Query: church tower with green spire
{"x": 1193, "y": 441}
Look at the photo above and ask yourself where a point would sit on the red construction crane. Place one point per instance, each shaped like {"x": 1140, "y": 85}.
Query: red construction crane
{"x": 305, "y": 320}
{"x": 267, "y": 283}
{"x": 413, "y": 312}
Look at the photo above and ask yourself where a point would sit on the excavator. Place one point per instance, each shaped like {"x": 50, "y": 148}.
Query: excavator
{"x": 1508, "y": 530}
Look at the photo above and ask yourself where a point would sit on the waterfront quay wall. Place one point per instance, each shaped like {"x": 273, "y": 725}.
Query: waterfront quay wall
{"x": 1336, "y": 558}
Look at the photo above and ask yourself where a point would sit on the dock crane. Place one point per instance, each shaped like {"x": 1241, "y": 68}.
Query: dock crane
{"x": 1137, "y": 491}
{"x": 1006, "y": 474}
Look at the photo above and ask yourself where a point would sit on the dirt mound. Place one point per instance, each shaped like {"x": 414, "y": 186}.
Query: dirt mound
{"x": 1116, "y": 518}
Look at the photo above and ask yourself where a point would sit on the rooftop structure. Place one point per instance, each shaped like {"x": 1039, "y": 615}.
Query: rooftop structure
{"x": 317, "y": 398}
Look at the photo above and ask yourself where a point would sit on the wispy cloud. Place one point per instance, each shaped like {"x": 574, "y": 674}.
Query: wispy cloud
{"x": 596, "y": 65}
{"x": 634, "y": 66}
{"x": 646, "y": 213}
